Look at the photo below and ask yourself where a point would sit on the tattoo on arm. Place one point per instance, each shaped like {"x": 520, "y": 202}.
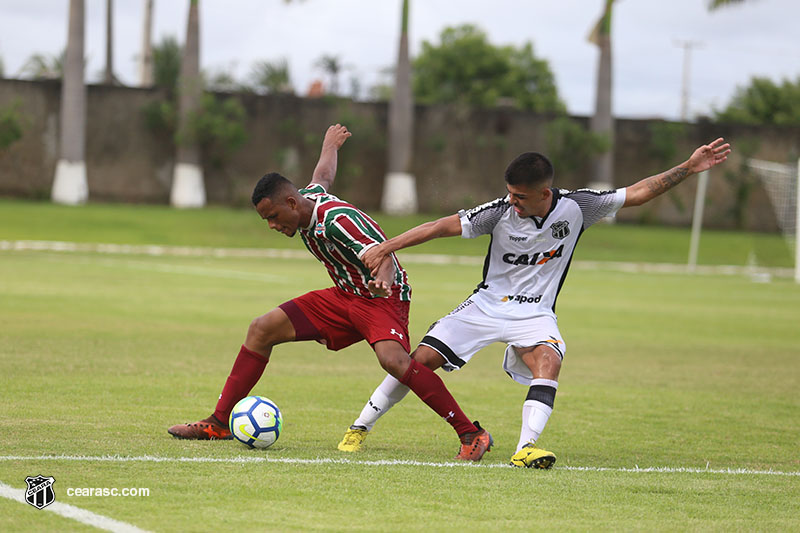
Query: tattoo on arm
{"x": 664, "y": 182}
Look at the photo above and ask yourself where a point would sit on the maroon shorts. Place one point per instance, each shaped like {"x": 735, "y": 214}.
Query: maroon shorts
{"x": 340, "y": 319}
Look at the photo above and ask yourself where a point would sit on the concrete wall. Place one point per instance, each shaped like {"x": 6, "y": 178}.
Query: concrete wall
{"x": 459, "y": 155}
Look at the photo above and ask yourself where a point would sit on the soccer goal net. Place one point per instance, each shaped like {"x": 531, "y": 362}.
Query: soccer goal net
{"x": 782, "y": 184}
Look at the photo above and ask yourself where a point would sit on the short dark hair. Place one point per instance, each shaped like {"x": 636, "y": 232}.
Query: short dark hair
{"x": 530, "y": 169}
{"x": 269, "y": 185}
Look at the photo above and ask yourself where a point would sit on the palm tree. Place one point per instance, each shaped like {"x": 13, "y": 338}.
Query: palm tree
{"x": 271, "y": 77}
{"x": 602, "y": 122}
{"x": 716, "y": 4}
{"x": 108, "y": 75}
{"x": 332, "y": 66}
{"x": 146, "y": 59}
{"x": 188, "y": 189}
{"x": 221, "y": 81}
{"x": 42, "y": 67}
{"x": 70, "y": 185}
{"x": 400, "y": 190}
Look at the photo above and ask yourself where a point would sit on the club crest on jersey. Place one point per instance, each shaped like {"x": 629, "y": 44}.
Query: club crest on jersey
{"x": 560, "y": 229}
{"x": 319, "y": 230}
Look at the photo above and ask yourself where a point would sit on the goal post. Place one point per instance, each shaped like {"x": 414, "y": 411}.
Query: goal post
{"x": 797, "y": 223}
{"x": 697, "y": 219}
{"x": 782, "y": 183}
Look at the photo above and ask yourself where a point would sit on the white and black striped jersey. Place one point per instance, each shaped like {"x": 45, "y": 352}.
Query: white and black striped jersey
{"x": 529, "y": 257}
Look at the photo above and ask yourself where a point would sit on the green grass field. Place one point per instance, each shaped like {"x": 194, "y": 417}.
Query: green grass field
{"x": 677, "y": 409}
{"x": 221, "y": 227}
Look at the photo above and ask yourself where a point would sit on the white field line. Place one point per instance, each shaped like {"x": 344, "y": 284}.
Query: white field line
{"x": 183, "y": 270}
{"x": 392, "y": 462}
{"x": 75, "y": 513}
{"x": 437, "y": 259}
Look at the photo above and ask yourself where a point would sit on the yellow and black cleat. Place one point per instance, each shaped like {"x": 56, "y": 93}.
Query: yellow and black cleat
{"x": 532, "y": 457}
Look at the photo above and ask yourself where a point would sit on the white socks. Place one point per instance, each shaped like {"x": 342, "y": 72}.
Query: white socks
{"x": 536, "y": 410}
{"x": 388, "y": 393}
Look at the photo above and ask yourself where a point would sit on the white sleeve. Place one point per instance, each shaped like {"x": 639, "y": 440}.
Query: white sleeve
{"x": 596, "y": 205}
{"x": 482, "y": 219}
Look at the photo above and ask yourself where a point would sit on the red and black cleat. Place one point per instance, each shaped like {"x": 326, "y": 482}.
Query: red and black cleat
{"x": 474, "y": 445}
{"x": 206, "y": 429}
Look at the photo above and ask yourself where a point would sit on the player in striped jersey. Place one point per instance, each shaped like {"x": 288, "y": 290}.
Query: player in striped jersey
{"x": 534, "y": 231}
{"x": 361, "y": 305}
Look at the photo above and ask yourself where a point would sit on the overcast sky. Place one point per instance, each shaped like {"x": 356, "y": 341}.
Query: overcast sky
{"x": 759, "y": 38}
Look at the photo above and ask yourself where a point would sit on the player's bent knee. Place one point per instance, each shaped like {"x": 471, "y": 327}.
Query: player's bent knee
{"x": 270, "y": 329}
{"x": 395, "y": 365}
{"x": 552, "y": 358}
{"x": 428, "y": 357}
{"x": 394, "y": 361}
{"x": 549, "y": 365}
{"x": 542, "y": 360}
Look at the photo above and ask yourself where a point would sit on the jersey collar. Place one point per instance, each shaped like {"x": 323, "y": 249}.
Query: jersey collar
{"x": 540, "y": 221}
{"x": 313, "y": 222}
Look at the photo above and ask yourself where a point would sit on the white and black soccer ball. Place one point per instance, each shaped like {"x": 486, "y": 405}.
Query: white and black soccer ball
{"x": 256, "y": 421}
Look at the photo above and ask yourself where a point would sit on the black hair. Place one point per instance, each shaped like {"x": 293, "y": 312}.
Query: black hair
{"x": 269, "y": 185}
{"x": 529, "y": 169}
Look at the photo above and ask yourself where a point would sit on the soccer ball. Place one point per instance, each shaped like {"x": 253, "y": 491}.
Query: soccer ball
{"x": 256, "y": 421}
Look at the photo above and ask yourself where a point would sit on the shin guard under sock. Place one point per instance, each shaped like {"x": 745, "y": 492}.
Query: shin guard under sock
{"x": 246, "y": 371}
{"x": 431, "y": 390}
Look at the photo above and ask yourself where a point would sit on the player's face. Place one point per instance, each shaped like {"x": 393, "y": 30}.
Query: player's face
{"x": 281, "y": 215}
{"x": 528, "y": 201}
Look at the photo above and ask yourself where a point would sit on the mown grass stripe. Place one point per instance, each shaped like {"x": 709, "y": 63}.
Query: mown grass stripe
{"x": 386, "y": 462}
{"x": 412, "y": 258}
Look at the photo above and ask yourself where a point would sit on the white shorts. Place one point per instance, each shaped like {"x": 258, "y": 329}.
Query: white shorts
{"x": 467, "y": 329}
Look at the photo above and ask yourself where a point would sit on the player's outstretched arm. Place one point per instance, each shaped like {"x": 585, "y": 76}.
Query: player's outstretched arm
{"x": 325, "y": 171}
{"x": 705, "y": 157}
{"x": 449, "y": 226}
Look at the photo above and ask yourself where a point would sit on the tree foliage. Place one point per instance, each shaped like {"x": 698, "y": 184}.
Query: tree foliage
{"x": 332, "y": 66}
{"x": 219, "y": 126}
{"x": 44, "y": 67}
{"x": 764, "y": 102}
{"x": 221, "y": 81}
{"x": 10, "y": 125}
{"x": 271, "y": 77}
{"x": 167, "y": 63}
{"x": 570, "y": 146}
{"x": 465, "y": 67}
{"x": 716, "y": 4}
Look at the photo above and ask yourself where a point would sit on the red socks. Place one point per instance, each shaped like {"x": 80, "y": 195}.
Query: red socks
{"x": 246, "y": 372}
{"x": 249, "y": 366}
{"x": 431, "y": 390}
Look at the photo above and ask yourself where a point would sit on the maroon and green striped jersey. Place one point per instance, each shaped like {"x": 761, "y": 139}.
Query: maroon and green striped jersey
{"x": 338, "y": 235}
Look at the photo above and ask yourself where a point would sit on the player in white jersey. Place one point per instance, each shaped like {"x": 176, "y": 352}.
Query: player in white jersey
{"x": 534, "y": 231}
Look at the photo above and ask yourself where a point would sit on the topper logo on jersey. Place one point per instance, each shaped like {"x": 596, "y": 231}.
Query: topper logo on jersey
{"x": 537, "y": 258}
{"x": 522, "y": 299}
{"x": 560, "y": 229}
